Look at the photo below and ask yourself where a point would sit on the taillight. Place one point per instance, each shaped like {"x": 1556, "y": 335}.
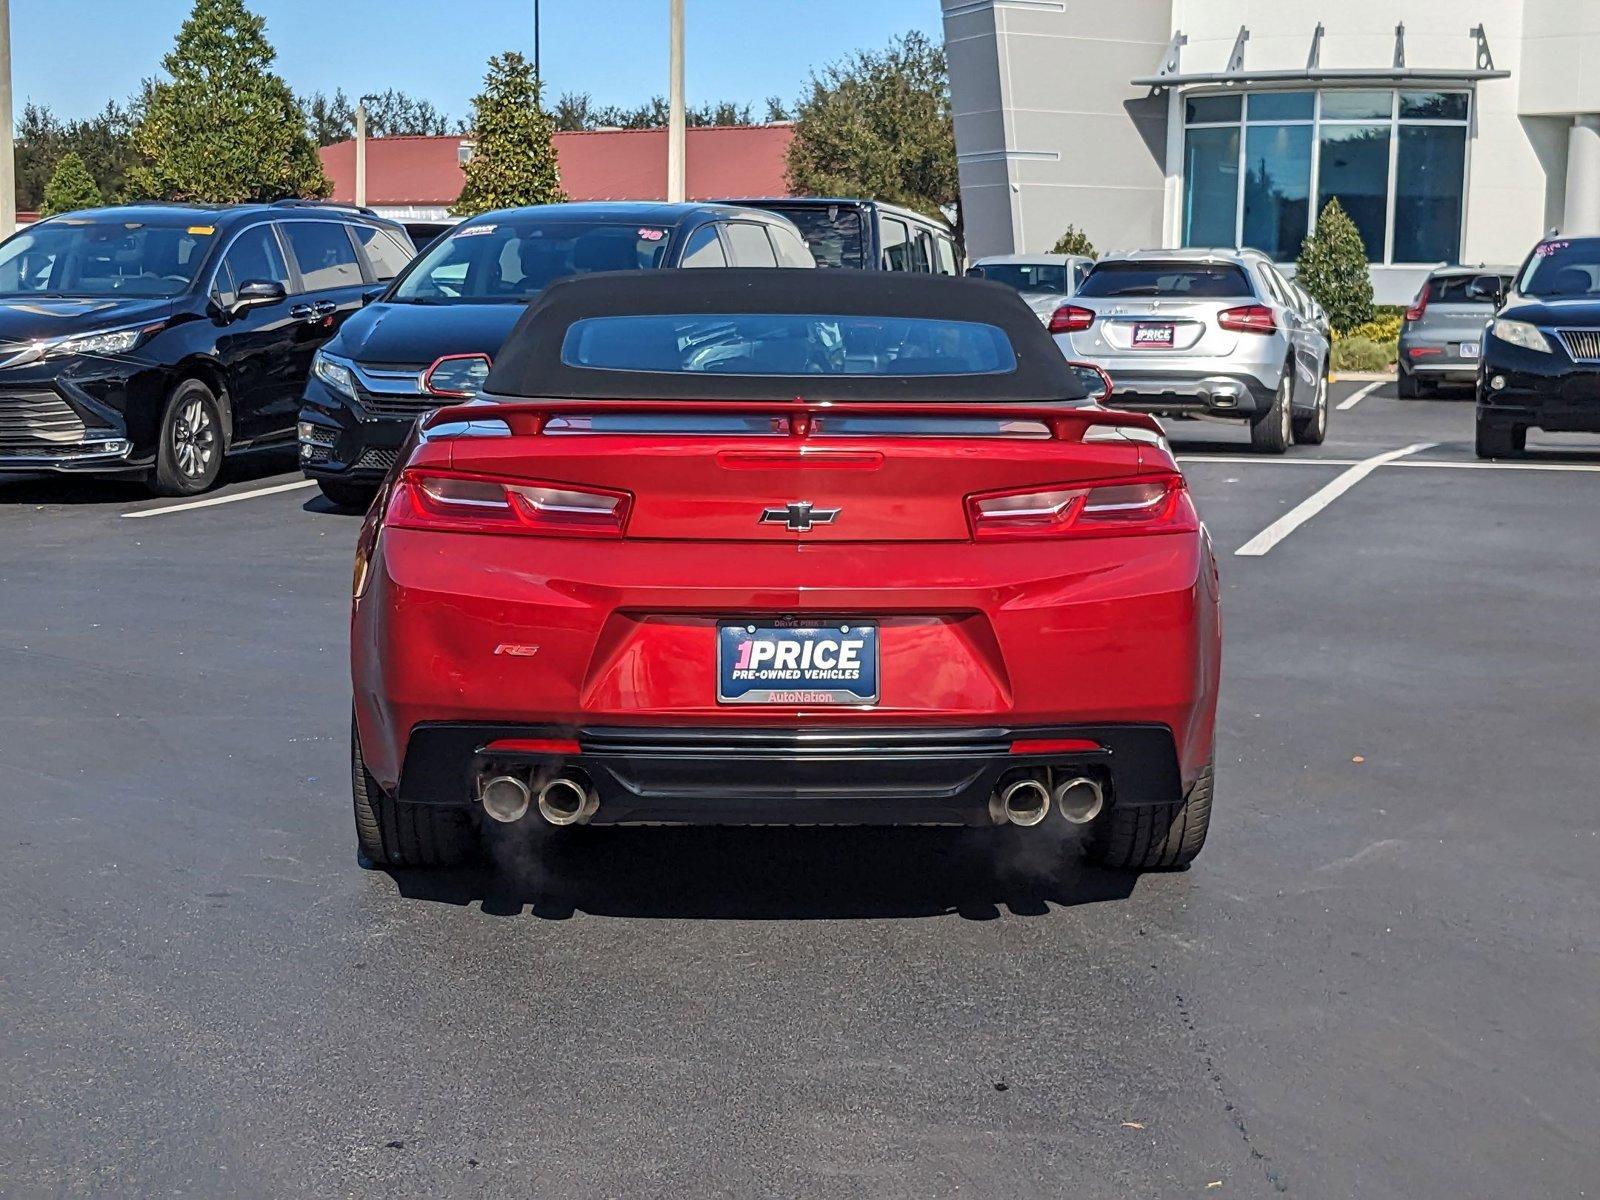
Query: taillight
{"x": 460, "y": 503}
{"x": 1155, "y": 504}
{"x": 1414, "y": 313}
{"x": 1069, "y": 318}
{"x": 1252, "y": 318}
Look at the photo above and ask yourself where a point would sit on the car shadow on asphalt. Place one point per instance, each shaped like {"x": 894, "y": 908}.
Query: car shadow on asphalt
{"x": 778, "y": 874}
{"x": 65, "y": 489}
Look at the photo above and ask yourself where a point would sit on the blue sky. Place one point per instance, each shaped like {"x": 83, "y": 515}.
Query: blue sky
{"x": 74, "y": 55}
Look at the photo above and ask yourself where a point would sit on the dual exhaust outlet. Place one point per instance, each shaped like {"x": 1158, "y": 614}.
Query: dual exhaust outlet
{"x": 1027, "y": 801}
{"x": 568, "y": 799}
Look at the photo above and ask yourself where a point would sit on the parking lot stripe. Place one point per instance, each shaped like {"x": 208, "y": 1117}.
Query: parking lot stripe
{"x": 1591, "y": 468}
{"x": 1352, "y": 400}
{"x": 214, "y": 500}
{"x": 1258, "y": 460}
{"x": 1321, "y": 498}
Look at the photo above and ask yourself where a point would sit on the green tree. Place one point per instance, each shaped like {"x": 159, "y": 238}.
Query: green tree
{"x": 1333, "y": 268}
{"x": 878, "y": 125}
{"x": 513, "y": 162}
{"x": 104, "y": 142}
{"x": 70, "y": 188}
{"x": 1074, "y": 241}
{"x": 223, "y": 127}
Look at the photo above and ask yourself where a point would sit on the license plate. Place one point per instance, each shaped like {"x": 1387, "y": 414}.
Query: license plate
{"x": 797, "y": 662}
{"x": 1153, "y": 336}
{"x": 1469, "y": 349}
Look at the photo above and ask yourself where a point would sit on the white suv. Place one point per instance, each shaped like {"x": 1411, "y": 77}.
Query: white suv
{"x": 1211, "y": 333}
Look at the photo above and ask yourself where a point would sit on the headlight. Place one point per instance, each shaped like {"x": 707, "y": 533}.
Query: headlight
{"x": 335, "y": 373}
{"x": 117, "y": 342}
{"x": 1520, "y": 333}
{"x": 457, "y": 375}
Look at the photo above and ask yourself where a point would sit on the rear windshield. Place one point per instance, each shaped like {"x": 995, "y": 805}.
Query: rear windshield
{"x": 1197, "y": 281}
{"x": 1027, "y": 277}
{"x": 800, "y": 344}
{"x": 1452, "y": 289}
{"x": 834, "y": 233}
{"x": 1562, "y": 268}
{"x": 509, "y": 261}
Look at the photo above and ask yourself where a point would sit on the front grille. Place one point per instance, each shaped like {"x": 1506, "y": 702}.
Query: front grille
{"x": 33, "y": 420}
{"x": 1582, "y": 344}
{"x": 376, "y": 459}
{"x": 391, "y": 404}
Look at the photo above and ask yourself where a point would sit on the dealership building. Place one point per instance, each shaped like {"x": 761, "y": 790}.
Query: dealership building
{"x": 1450, "y": 130}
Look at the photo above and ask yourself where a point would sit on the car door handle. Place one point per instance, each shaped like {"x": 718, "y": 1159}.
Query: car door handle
{"x": 303, "y": 312}
{"x": 323, "y": 307}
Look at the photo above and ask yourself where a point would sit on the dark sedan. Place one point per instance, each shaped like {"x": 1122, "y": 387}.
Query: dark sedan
{"x": 1541, "y": 353}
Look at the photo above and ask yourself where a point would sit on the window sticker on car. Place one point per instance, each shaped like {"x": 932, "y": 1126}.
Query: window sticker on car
{"x": 652, "y": 235}
{"x": 201, "y": 230}
{"x": 474, "y": 231}
{"x": 1546, "y": 249}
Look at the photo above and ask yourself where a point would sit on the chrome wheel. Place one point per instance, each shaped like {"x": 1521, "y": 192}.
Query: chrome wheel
{"x": 194, "y": 439}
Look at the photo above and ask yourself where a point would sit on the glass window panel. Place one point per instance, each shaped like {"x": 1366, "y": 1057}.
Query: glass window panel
{"x": 1356, "y": 106}
{"x": 1277, "y": 188}
{"x": 1211, "y": 108}
{"x": 1281, "y": 106}
{"x": 1428, "y": 188}
{"x": 1434, "y": 106}
{"x": 1354, "y": 167}
{"x": 1211, "y": 186}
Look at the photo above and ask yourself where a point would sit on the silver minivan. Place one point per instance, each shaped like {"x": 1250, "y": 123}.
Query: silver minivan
{"x": 1442, "y": 334}
{"x": 1207, "y": 333}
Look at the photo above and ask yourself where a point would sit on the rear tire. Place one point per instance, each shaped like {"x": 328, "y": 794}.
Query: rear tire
{"x": 392, "y": 833}
{"x": 1312, "y": 430}
{"x": 1406, "y": 385}
{"x": 357, "y": 497}
{"x": 1271, "y": 431}
{"x": 1156, "y": 836}
{"x": 1495, "y": 440}
{"x": 189, "y": 444}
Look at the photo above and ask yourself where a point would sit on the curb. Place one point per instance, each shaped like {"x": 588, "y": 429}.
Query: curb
{"x": 1368, "y": 376}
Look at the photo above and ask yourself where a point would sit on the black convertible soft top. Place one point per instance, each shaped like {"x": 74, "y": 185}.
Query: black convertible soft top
{"x": 529, "y": 364}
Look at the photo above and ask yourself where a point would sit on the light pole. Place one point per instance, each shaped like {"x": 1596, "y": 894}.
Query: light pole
{"x": 361, "y": 149}
{"x": 8, "y": 161}
{"x": 537, "y": 77}
{"x": 676, "y": 188}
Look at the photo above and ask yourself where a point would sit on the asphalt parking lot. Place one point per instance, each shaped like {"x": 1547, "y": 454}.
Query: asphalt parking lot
{"x": 1379, "y": 979}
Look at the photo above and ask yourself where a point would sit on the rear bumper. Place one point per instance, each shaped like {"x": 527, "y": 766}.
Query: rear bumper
{"x": 817, "y": 775}
{"x": 1212, "y": 393}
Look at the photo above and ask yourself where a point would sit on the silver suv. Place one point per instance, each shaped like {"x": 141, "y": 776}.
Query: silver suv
{"x": 1205, "y": 333}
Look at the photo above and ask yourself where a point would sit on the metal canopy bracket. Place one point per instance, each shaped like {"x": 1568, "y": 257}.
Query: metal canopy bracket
{"x": 1314, "y": 59}
{"x": 1400, "y": 46}
{"x": 1169, "y": 60}
{"x": 1485, "y": 59}
{"x": 1236, "y": 59}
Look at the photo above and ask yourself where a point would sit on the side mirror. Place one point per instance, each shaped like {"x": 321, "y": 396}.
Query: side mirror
{"x": 372, "y": 293}
{"x": 1487, "y": 287}
{"x": 974, "y": 272}
{"x": 1096, "y": 383}
{"x": 256, "y": 293}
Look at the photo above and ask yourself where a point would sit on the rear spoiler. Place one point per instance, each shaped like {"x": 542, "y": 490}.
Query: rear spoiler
{"x": 529, "y": 417}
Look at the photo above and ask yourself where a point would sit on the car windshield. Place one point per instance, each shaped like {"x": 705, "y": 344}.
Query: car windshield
{"x": 71, "y": 257}
{"x": 834, "y": 233}
{"x": 788, "y": 344}
{"x": 1027, "y": 277}
{"x": 1196, "y": 281}
{"x": 501, "y": 262}
{"x": 1562, "y": 268}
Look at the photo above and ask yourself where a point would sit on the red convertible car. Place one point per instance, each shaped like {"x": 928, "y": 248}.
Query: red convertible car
{"x": 783, "y": 547}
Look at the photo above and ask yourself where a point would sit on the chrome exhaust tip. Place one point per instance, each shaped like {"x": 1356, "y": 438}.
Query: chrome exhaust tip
{"x": 1079, "y": 800}
{"x": 566, "y": 800}
{"x": 1023, "y": 802}
{"x": 505, "y": 798}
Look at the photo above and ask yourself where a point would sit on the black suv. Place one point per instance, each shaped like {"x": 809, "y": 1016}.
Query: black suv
{"x": 148, "y": 341}
{"x": 429, "y": 339}
{"x": 866, "y": 235}
{"x": 1541, "y": 350}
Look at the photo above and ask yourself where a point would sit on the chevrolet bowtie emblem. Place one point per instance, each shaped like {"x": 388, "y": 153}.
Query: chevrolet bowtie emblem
{"x": 798, "y": 516}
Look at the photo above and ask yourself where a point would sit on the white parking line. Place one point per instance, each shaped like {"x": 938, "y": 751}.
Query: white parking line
{"x": 1358, "y": 397}
{"x": 215, "y": 500}
{"x": 1258, "y": 460}
{"x": 1501, "y": 466}
{"x": 1320, "y": 499}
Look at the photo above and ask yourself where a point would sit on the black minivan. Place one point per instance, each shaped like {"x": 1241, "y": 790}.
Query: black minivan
{"x": 148, "y": 341}
{"x": 430, "y": 338}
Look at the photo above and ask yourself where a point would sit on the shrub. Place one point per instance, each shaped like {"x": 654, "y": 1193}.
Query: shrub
{"x": 1362, "y": 354}
{"x": 70, "y": 188}
{"x": 1333, "y": 268}
{"x": 1379, "y": 329}
{"x": 1074, "y": 241}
